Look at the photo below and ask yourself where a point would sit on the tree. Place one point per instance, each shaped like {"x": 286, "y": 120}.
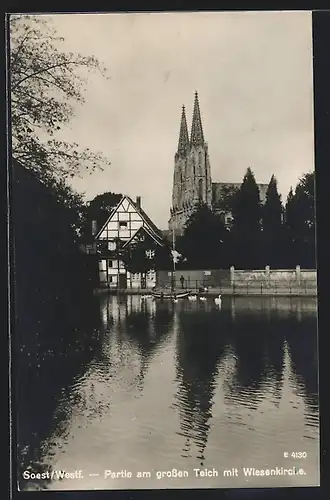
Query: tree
{"x": 45, "y": 82}
{"x": 290, "y": 230}
{"x": 226, "y": 201}
{"x": 143, "y": 254}
{"x": 203, "y": 240}
{"x": 300, "y": 222}
{"x": 98, "y": 209}
{"x": 245, "y": 233}
{"x": 272, "y": 235}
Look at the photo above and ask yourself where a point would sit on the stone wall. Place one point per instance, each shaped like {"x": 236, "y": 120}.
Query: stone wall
{"x": 268, "y": 278}
{"x": 273, "y": 277}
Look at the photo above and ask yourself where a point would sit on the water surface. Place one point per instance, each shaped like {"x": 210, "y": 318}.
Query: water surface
{"x": 190, "y": 386}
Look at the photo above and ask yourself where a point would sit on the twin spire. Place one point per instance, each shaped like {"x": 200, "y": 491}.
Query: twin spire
{"x": 197, "y": 135}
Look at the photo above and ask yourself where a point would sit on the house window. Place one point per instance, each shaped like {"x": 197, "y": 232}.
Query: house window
{"x": 110, "y": 279}
{"x": 111, "y": 245}
{"x": 150, "y": 254}
{"x": 110, "y": 263}
{"x": 123, "y": 224}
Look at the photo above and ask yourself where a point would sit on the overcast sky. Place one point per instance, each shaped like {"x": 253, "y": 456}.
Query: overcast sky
{"x": 253, "y": 73}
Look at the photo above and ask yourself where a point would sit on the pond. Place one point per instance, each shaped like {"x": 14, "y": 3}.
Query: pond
{"x": 189, "y": 395}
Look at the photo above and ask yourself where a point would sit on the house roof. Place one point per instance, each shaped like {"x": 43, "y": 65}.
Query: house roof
{"x": 153, "y": 229}
{"x": 146, "y": 218}
{"x": 146, "y": 230}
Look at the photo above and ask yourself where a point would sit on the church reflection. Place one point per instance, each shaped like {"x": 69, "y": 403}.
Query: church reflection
{"x": 199, "y": 348}
{"x": 257, "y": 344}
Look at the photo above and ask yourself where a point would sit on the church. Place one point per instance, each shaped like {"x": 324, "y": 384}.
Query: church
{"x": 192, "y": 181}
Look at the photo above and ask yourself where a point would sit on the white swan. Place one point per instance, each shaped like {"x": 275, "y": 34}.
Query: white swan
{"x": 218, "y": 300}
{"x": 202, "y": 298}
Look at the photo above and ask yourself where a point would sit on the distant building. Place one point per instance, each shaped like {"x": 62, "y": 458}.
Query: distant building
{"x": 126, "y": 224}
{"x": 192, "y": 181}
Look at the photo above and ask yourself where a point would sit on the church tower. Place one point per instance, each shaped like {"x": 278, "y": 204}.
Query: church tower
{"x": 192, "y": 182}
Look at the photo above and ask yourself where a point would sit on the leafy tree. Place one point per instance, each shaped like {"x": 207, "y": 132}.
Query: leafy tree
{"x": 45, "y": 82}
{"x": 203, "y": 240}
{"x": 163, "y": 256}
{"x": 245, "y": 234}
{"x": 98, "y": 210}
{"x": 272, "y": 235}
{"x": 227, "y": 199}
{"x": 140, "y": 255}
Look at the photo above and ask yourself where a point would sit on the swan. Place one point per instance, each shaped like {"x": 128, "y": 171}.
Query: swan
{"x": 217, "y": 300}
{"x": 202, "y": 298}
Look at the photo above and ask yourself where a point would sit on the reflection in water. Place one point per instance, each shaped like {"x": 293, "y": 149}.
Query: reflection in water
{"x": 200, "y": 346}
{"x": 191, "y": 385}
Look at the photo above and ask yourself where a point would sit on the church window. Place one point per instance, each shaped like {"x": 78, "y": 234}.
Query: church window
{"x": 200, "y": 189}
{"x": 200, "y": 159}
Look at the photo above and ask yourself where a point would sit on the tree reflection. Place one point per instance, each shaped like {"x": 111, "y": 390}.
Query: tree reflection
{"x": 302, "y": 344}
{"x": 134, "y": 327}
{"x": 261, "y": 327}
{"x": 200, "y": 345}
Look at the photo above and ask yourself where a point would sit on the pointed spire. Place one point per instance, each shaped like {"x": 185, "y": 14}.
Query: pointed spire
{"x": 183, "y": 138}
{"x": 197, "y": 136}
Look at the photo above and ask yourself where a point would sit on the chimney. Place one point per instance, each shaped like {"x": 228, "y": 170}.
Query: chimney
{"x": 138, "y": 201}
{"x": 94, "y": 227}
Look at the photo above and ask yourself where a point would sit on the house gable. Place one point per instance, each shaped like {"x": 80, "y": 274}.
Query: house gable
{"x": 125, "y": 220}
{"x": 144, "y": 233}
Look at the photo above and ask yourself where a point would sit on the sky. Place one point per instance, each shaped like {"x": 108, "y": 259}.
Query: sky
{"x": 253, "y": 74}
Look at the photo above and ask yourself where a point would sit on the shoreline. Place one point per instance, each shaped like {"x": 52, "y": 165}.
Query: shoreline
{"x": 267, "y": 292}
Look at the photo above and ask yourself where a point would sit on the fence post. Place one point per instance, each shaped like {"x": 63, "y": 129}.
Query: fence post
{"x": 267, "y": 269}
{"x": 247, "y": 288}
{"x": 261, "y": 287}
{"x": 232, "y": 275}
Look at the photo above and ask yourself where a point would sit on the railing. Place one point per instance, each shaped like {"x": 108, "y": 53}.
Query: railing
{"x": 252, "y": 287}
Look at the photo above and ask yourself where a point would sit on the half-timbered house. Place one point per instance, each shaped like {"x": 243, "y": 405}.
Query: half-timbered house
{"x": 126, "y": 225}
